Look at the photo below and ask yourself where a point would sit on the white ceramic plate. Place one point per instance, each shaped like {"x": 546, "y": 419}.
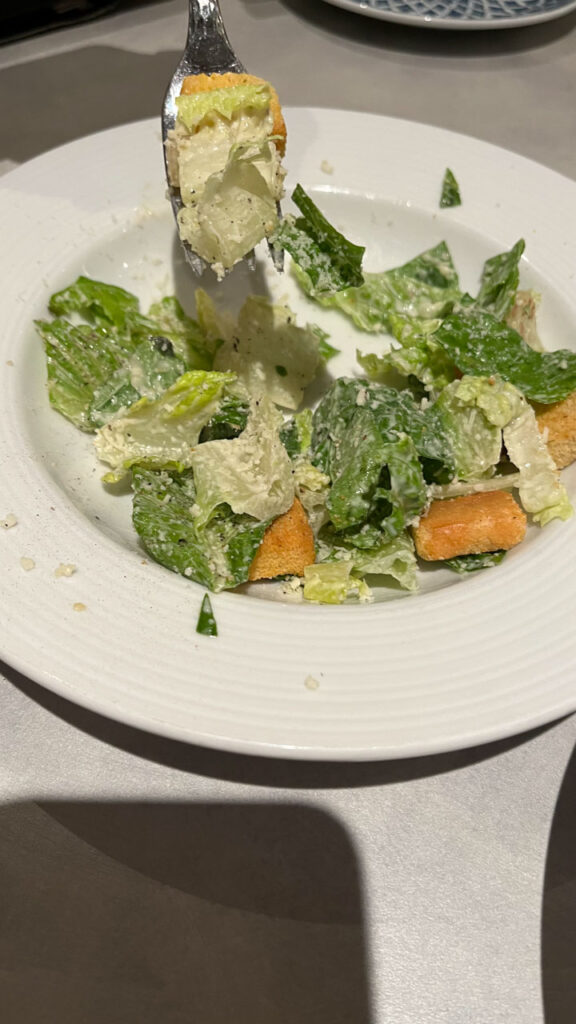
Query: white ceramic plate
{"x": 460, "y": 14}
{"x": 466, "y": 661}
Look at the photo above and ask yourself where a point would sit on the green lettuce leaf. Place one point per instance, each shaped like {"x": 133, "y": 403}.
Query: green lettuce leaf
{"x": 482, "y": 346}
{"x": 231, "y": 416}
{"x": 329, "y": 260}
{"x": 476, "y": 440}
{"x": 465, "y": 564}
{"x": 196, "y": 107}
{"x": 396, "y": 414}
{"x": 251, "y": 473}
{"x": 417, "y": 355}
{"x": 424, "y": 288}
{"x": 206, "y": 624}
{"x": 217, "y": 554}
{"x": 450, "y": 194}
{"x": 270, "y": 353}
{"x": 296, "y": 433}
{"x": 148, "y": 371}
{"x": 393, "y": 557}
{"x": 104, "y": 304}
{"x": 162, "y": 433}
{"x": 541, "y": 492}
{"x": 236, "y": 208}
{"x": 184, "y": 332}
{"x": 333, "y": 583}
{"x": 499, "y": 282}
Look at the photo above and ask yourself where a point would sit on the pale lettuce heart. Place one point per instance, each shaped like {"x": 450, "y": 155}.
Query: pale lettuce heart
{"x": 332, "y": 583}
{"x": 162, "y": 433}
{"x": 196, "y": 107}
{"x": 270, "y": 353}
{"x": 251, "y": 473}
{"x": 539, "y": 487}
{"x": 222, "y": 158}
{"x": 237, "y": 207}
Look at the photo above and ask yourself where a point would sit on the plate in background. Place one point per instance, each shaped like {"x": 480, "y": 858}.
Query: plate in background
{"x": 460, "y": 14}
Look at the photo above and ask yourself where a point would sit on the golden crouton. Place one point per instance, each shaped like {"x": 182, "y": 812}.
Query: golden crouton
{"x": 557, "y": 423}
{"x": 287, "y": 546}
{"x": 205, "y": 83}
{"x": 469, "y": 525}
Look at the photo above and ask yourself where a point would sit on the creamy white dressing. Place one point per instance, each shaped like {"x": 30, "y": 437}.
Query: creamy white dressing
{"x": 230, "y": 179}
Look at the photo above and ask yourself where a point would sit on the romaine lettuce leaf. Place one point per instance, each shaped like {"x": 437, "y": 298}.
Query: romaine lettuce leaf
{"x": 499, "y": 282}
{"x": 424, "y": 288}
{"x": 162, "y": 433}
{"x": 416, "y": 355}
{"x": 231, "y": 416}
{"x": 450, "y": 193}
{"x": 476, "y": 440}
{"x": 188, "y": 339}
{"x": 464, "y": 564}
{"x": 483, "y": 346}
{"x": 79, "y": 360}
{"x": 332, "y": 583}
{"x": 99, "y": 303}
{"x": 147, "y": 372}
{"x": 539, "y": 487}
{"x": 251, "y": 473}
{"x": 396, "y": 413}
{"x": 195, "y": 107}
{"x": 296, "y": 433}
{"x": 237, "y": 206}
{"x": 270, "y": 353}
{"x": 393, "y": 557}
{"x": 329, "y": 260}
{"x": 217, "y": 554}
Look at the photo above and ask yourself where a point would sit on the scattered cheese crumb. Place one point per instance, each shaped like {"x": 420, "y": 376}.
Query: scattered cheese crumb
{"x": 9, "y": 521}
{"x": 27, "y": 563}
{"x": 326, "y": 167}
{"x": 65, "y": 569}
{"x": 9, "y": 362}
{"x": 310, "y": 683}
{"x": 79, "y": 607}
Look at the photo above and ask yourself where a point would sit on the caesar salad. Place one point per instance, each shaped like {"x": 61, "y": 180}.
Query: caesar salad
{"x": 439, "y": 451}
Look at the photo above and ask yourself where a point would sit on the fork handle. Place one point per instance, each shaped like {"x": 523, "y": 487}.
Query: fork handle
{"x": 208, "y": 48}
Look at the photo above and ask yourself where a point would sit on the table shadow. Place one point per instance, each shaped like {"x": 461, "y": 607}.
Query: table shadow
{"x": 559, "y": 908}
{"x": 100, "y": 74}
{"x": 136, "y": 913}
{"x": 256, "y": 771}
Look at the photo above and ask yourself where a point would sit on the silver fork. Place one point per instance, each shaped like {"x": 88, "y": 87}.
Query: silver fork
{"x": 208, "y": 51}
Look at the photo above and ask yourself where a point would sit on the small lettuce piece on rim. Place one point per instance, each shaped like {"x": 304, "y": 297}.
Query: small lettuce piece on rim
{"x": 450, "y": 193}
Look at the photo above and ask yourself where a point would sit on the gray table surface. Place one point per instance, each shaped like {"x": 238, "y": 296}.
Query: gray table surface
{"x": 143, "y": 880}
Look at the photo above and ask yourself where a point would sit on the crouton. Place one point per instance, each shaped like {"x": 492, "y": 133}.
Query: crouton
{"x": 469, "y": 525}
{"x": 557, "y": 423}
{"x": 205, "y": 83}
{"x": 287, "y": 547}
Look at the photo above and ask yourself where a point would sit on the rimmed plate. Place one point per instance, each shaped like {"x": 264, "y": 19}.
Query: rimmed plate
{"x": 460, "y": 14}
{"x": 464, "y": 662}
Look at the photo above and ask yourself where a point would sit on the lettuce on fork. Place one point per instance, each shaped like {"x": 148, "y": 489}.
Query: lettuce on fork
{"x": 225, "y": 159}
